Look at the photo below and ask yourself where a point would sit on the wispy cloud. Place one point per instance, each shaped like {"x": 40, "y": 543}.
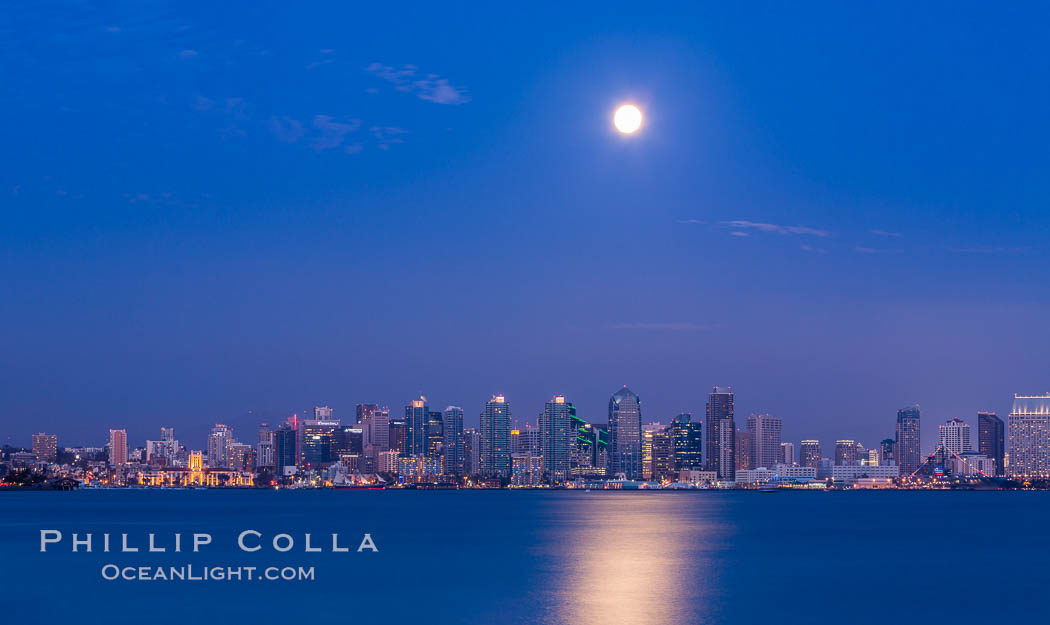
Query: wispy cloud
{"x": 740, "y": 233}
{"x": 886, "y": 233}
{"x": 677, "y": 326}
{"x": 331, "y": 132}
{"x": 691, "y": 221}
{"x": 809, "y": 248}
{"x": 429, "y": 87}
{"x": 987, "y": 250}
{"x": 740, "y": 224}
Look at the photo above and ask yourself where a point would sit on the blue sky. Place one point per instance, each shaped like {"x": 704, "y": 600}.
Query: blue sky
{"x": 232, "y": 213}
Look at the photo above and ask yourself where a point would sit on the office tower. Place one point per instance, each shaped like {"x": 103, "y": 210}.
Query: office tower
{"x": 398, "y": 435}
{"x": 1029, "y": 437}
{"x": 955, "y": 436}
{"x": 285, "y": 456}
{"x": 452, "y": 427}
{"x": 375, "y": 421}
{"x": 663, "y": 455}
{"x": 45, "y": 446}
{"x": 687, "y": 438}
{"x": 240, "y": 457}
{"x": 846, "y": 454}
{"x": 348, "y": 445}
{"x": 264, "y": 446}
{"x": 318, "y": 442}
{"x": 167, "y": 434}
{"x": 471, "y": 451}
{"x": 495, "y": 438}
{"x": 118, "y": 447}
{"x": 764, "y": 438}
{"x": 591, "y": 450}
{"x": 221, "y": 436}
{"x": 435, "y": 434}
{"x": 625, "y": 434}
{"x": 721, "y": 433}
{"x": 991, "y": 438}
{"x": 886, "y": 455}
{"x": 557, "y": 435}
{"x": 787, "y": 454}
{"x": 742, "y": 448}
{"x": 322, "y": 413}
{"x": 416, "y": 416}
{"x": 809, "y": 454}
{"x": 647, "y": 453}
{"x": 906, "y": 448}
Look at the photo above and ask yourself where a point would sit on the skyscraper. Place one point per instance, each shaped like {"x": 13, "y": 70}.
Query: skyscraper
{"x": 452, "y": 429}
{"x": 284, "y": 449}
{"x": 687, "y": 437}
{"x": 741, "y": 451}
{"x": 220, "y": 438}
{"x": 45, "y": 446}
{"x": 787, "y": 454}
{"x": 721, "y": 433}
{"x": 557, "y": 434}
{"x": 318, "y": 442}
{"x": 375, "y": 422}
{"x": 663, "y": 454}
{"x": 435, "y": 434}
{"x": 991, "y": 438}
{"x": 846, "y": 453}
{"x": 322, "y": 413}
{"x": 764, "y": 430}
{"x": 416, "y": 416}
{"x": 886, "y": 453}
{"x": 625, "y": 434}
{"x": 955, "y": 436}
{"x": 264, "y": 448}
{"x": 1029, "y": 434}
{"x": 906, "y": 447}
{"x": 118, "y": 447}
{"x": 495, "y": 438}
{"x": 809, "y": 454}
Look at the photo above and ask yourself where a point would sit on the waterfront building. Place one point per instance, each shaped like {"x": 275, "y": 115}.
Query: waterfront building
{"x": 495, "y": 438}
{"x": 991, "y": 438}
{"x": 387, "y": 461}
{"x": 663, "y": 455}
{"x": 721, "y": 433}
{"x": 809, "y": 453}
{"x": 687, "y": 438}
{"x": 763, "y": 440}
{"x": 1029, "y": 437}
{"x": 625, "y": 434}
{"x": 118, "y": 447}
{"x": 846, "y": 453}
{"x": 972, "y": 464}
{"x": 419, "y": 468}
{"x": 45, "y": 446}
{"x": 318, "y": 442}
{"x": 955, "y": 436}
{"x": 527, "y": 470}
{"x": 906, "y": 449}
{"x": 556, "y": 430}
{"x": 696, "y": 476}
{"x": 452, "y": 430}
{"x": 851, "y": 473}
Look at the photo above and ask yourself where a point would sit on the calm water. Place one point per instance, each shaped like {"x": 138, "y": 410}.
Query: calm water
{"x": 545, "y": 557}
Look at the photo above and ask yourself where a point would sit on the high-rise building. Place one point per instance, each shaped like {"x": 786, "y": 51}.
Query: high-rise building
{"x": 846, "y": 454}
{"x": 955, "y": 436}
{"x": 285, "y": 456}
{"x": 721, "y": 433}
{"x": 886, "y": 454}
{"x": 348, "y": 445}
{"x": 375, "y": 422}
{"x": 45, "y": 446}
{"x": 787, "y": 454}
{"x": 435, "y": 434}
{"x": 220, "y": 438}
{"x": 318, "y": 442}
{"x": 452, "y": 429}
{"x": 663, "y": 455}
{"x": 416, "y": 416}
{"x": 556, "y": 430}
{"x": 471, "y": 451}
{"x": 906, "y": 449}
{"x": 590, "y": 449}
{"x": 495, "y": 438}
{"x": 526, "y": 470}
{"x": 1029, "y": 437}
{"x": 764, "y": 439}
{"x": 991, "y": 438}
{"x": 397, "y": 434}
{"x": 118, "y": 447}
{"x": 625, "y": 434}
{"x": 264, "y": 447}
{"x": 742, "y": 450}
{"x": 809, "y": 454}
{"x": 687, "y": 437}
{"x": 322, "y": 413}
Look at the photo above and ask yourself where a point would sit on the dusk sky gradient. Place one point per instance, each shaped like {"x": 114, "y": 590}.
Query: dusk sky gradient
{"x": 232, "y": 212}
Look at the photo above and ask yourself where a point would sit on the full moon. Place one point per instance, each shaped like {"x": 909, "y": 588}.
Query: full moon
{"x": 627, "y": 119}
